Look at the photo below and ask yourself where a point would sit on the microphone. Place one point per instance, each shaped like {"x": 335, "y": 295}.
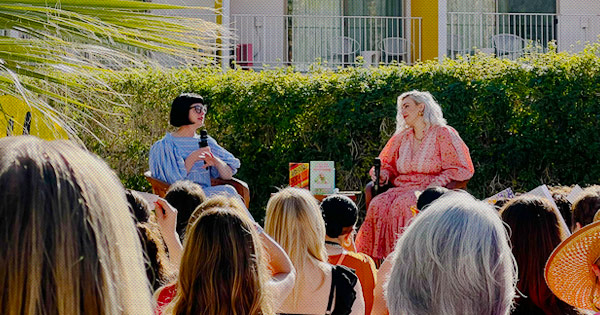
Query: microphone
{"x": 377, "y": 164}
{"x": 203, "y": 139}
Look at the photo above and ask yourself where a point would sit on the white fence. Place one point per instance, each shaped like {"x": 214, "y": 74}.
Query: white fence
{"x": 282, "y": 40}
{"x": 509, "y": 34}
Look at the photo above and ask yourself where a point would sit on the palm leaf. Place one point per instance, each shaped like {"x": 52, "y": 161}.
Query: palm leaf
{"x": 53, "y": 54}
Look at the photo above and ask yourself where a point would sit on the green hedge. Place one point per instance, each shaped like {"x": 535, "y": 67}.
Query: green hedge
{"x": 526, "y": 123}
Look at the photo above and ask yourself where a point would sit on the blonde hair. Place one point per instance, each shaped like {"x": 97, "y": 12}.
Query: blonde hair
{"x": 294, "y": 220}
{"x": 68, "y": 243}
{"x": 432, "y": 113}
{"x": 223, "y": 267}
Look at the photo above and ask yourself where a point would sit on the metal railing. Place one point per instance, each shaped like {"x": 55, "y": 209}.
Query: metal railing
{"x": 504, "y": 34}
{"x": 510, "y": 34}
{"x": 284, "y": 40}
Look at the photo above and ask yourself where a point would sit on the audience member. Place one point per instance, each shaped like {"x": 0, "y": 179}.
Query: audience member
{"x": 158, "y": 269}
{"x": 68, "y": 244}
{"x": 185, "y": 196}
{"x": 585, "y": 207}
{"x": 224, "y": 267}
{"x": 559, "y": 194}
{"x": 340, "y": 214}
{"x": 294, "y": 220}
{"x": 535, "y": 231}
{"x": 572, "y": 272}
{"x": 429, "y": 195}
{"x": 454, "y": 258}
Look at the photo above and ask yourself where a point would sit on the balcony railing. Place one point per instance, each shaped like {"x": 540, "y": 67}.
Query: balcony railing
{"x": 510, "y": 34}
{"x": 284, "y": 40}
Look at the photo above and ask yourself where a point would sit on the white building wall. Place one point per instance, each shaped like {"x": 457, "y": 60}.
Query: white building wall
{"x": 261, "y": 24}
{"x": 578, "y": 23}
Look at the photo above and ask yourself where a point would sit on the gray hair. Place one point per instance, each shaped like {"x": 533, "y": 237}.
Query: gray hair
{"x": 432, "y": 114}
{"x": 454, "y": 258}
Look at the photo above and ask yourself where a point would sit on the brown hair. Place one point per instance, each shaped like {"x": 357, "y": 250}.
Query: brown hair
{"x": 585, "y": 207}
{"x": 535, "y": 231}
{"x": 223, "y": 267}
{"x": 68, "y": 244}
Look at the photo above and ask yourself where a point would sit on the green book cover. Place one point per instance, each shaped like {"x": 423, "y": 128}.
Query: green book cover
{"x": 322, "y": 177}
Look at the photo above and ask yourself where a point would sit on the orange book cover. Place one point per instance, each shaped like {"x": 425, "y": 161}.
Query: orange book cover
{"x": 299, "y": 175}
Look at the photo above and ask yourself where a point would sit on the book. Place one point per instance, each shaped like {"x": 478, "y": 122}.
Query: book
{"x": 299, "y": 175}
{"x": 574, "y": 194}
{"x": 506, "y": 193}
{"x": 322, "y": 177}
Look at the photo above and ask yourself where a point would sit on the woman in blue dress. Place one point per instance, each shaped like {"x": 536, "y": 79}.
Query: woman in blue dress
{"x": 177, "y": 156}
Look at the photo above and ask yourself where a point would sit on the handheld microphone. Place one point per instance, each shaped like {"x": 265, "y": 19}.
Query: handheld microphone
{"x": 377, "y": 164}
{"x": 203, "y": 139}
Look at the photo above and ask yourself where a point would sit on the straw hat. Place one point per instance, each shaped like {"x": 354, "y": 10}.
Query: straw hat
{"x": 568, "y": 271}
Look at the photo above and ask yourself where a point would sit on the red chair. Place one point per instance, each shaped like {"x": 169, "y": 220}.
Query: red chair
{"x": 160, "y": 187}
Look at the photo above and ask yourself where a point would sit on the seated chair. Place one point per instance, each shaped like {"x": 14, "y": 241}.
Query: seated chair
{"x": 160, "y": 187}
{"x": 395, "y": 48}
{"x": 508, "y": 45}
{"x": 344, "y": 47}
{"x": 370, "y": 189}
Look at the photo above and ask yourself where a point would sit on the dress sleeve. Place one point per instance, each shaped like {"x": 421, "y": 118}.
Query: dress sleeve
{"x": 388, "y": 157}
{"x": 165, "y": 162}
{"x": 455, "y": 157}
{"x": 224, "y": 155}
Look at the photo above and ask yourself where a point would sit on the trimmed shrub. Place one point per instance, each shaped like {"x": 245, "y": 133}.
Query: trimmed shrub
{"x": 526, "y": 123}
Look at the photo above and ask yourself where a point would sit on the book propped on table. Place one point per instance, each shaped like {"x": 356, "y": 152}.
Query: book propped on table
{"x": 299, "y": 173}
{"x": 322, "y": 177}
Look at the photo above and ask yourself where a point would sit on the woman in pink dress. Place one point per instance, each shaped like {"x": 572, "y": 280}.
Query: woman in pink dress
{"x": 424, "y": 152}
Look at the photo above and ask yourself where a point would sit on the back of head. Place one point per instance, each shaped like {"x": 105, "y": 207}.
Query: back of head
{"x": 454, "y": 258}
{"x": 68, "y": 244}
{"x": 185, "y": 196}
{"x": 223, "y": 270}
{"x": 585, "y": 207}
{"x": 294, "y": 220}
{"x": 180, "y": 108}
{"x": 429, "y": 195}
{"x": 138, "y": 206}
{"x": 339, "y": 212}
{"x": 535, "y": 232}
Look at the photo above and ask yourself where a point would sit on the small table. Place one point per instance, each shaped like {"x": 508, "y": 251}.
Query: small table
{"x": 350, "y": 194}
{"x": 371, "y": 57}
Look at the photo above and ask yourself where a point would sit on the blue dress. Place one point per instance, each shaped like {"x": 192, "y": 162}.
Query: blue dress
{"x": 167, "y": 163}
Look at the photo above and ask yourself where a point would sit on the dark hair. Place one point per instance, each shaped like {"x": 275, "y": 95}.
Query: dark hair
{"x": 180, "y": 108}
{"x": 184, "y": 196}
{"x": 586, "y": 206}
{"x": 429, "y": 195}
{"x": 137, "y": 206}
{"x": 339, "y": 212}
{"x": 535, "y": 231}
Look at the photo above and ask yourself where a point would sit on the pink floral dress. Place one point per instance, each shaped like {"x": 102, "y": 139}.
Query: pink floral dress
{"x": 441, "y": 157}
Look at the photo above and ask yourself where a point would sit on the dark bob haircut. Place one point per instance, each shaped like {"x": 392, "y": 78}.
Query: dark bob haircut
{"x": 181, "y": 107}
{"x": 339, "y": 212}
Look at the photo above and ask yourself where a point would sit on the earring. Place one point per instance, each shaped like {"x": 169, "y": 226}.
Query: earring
{"x": 420, "y": 113}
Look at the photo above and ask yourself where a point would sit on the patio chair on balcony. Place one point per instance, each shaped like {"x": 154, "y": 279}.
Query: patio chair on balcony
{"x": 508, "y": 45}
{"x": 394, "y": 48}
{"x": 345, "y": 48}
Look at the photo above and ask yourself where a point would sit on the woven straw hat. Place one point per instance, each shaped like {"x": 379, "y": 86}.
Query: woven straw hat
{"x": 568, "y": 271}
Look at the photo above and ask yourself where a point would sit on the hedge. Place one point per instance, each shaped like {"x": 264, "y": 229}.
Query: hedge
{"x": 527, "y": 122}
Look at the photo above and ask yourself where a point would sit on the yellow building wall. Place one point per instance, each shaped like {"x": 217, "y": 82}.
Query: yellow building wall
{"x": 428, "y": 10}
{"x": 15, "y": 110}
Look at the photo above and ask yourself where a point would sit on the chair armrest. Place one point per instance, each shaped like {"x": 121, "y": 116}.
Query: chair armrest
{"x": 240, "y": 186}
{"x": 457, "y": 184}
{"x": 158, "y": 186}
{"x": 370, "y": 192}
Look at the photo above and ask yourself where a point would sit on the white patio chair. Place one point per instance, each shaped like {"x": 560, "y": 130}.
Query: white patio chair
{"x": 508, "y": 45}
{"x": 394, "y": 47}
{"x": 344, "y": 47}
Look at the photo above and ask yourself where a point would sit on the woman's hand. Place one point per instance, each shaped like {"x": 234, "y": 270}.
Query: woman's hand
{"x": 166, "y": 217}
{"x": 383, "y": 178}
